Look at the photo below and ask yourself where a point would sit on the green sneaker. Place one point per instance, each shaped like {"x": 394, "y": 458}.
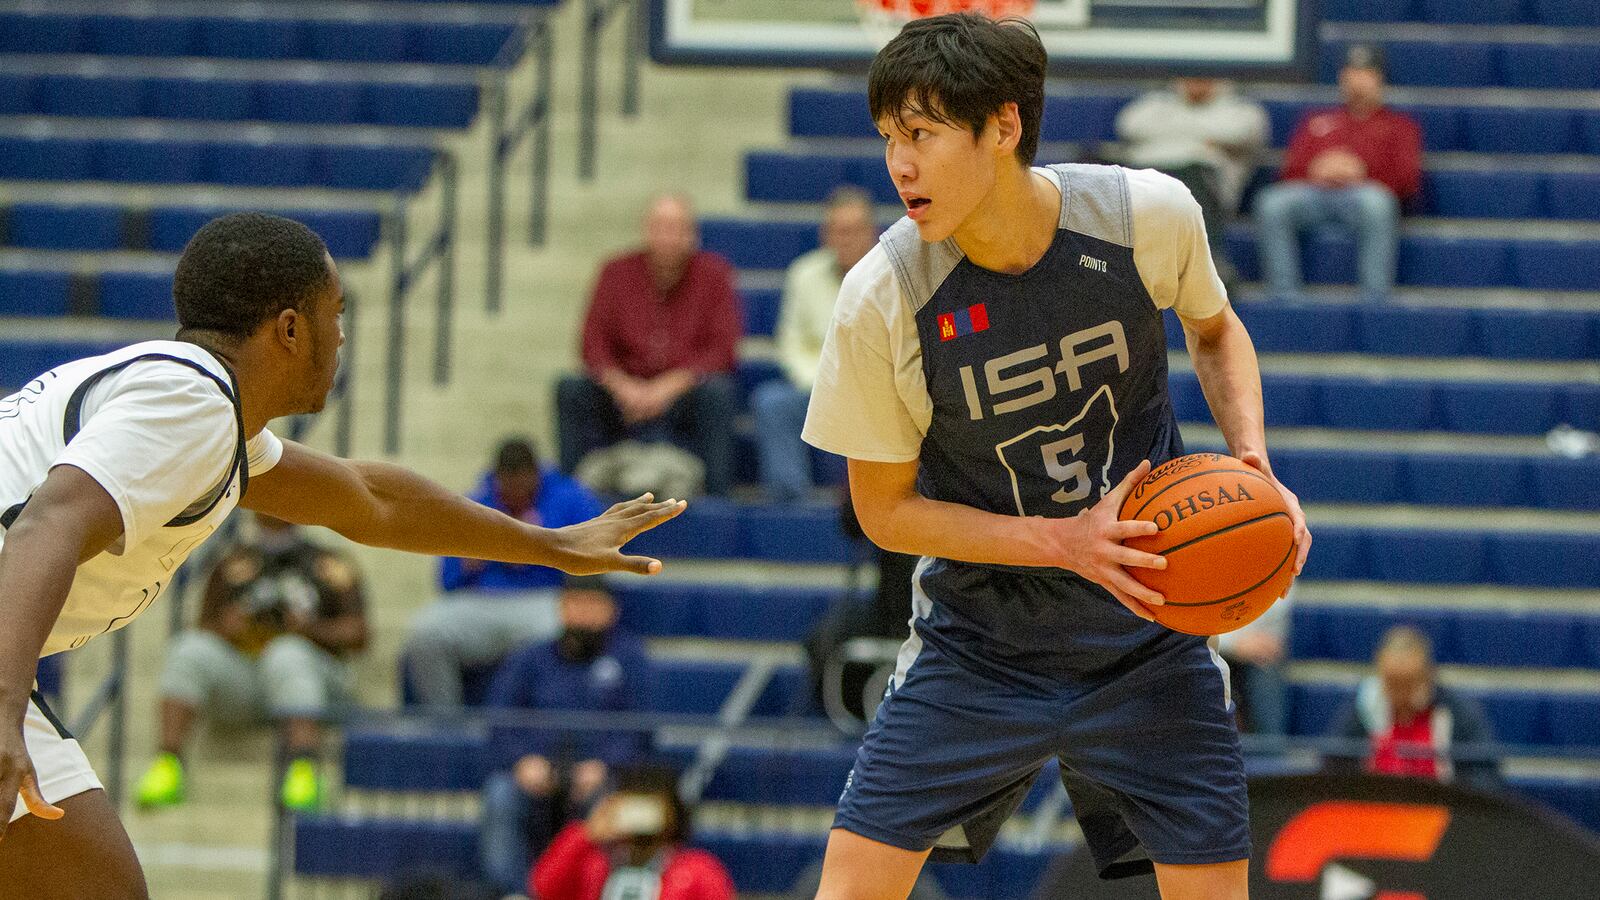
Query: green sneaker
{"x": 302, "y": 786}
{"x": 162, "y": 784}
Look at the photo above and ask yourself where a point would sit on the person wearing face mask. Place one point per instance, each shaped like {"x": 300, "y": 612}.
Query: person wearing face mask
{"x": 489, "y": 609}
{"x": 1411, "y": 721}
{"x": 660, "y": 341}
{"x": 591, "y": 666}
{"x": 809, "y": 290}
{"x": 279, "y": 620}
{"x": 631, "y": 847}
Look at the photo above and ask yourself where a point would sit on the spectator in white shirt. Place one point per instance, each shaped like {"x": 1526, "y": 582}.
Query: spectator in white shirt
{"x": 809, "y": 292}
{"x": 1203, "y": 134}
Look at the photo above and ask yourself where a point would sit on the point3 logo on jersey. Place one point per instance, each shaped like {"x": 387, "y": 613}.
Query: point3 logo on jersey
{"x": 963, "y": 322}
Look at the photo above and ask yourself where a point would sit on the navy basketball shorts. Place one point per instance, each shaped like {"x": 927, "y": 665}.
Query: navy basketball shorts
{"x": 1149, "y": 755}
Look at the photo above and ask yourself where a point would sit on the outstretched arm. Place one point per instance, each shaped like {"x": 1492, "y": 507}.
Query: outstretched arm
{"x": 385, "y": 505}
{"x": 69, "y": 519}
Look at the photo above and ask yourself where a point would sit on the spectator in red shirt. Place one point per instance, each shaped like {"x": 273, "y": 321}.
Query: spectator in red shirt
{"x": 1411, "y": 723}
{"x": 1353, "y": 166}
{"x": 659, "y": 346}
{"x": 631, "y": 846}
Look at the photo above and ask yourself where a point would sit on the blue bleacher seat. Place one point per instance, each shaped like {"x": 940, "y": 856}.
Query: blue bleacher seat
{"x": 79, "y": 95}
{"x": 465, "y": 43}
{"x": 415, "y": 756}
{"x": 349, "y": 233}
{"x": 36, "y": 32}
{"x": 309, "y": 100}
{"x": 1536, "y": 334}
{"x": 372, "y": 40}
{"x": 1333, "y": 476}
{"x": 376, "y": 167}
{"x": 441, "y": 105}
{"x": 1383, "y": 404}
{"x": 820, "y": 112}
{"x": 796, "y": 533}
{"x": 1556, "y": 265}
{"x": 758, "y": 245}
{"x": 1581, "y": 403}
{"x": 56, "y": 159}
{"x": 1500, "y": 638}
{"x": 1544, "y": 559}
{"x": 1498, "y": 408}
{"x": 1443, "y": 127}
{"x": 1475, "y": 12}
{"x": 1577, "y": 798}
{"x": 1453, "y": 63}
{"x": 761, "y": 309}
{"x": 1313, "y": 706}
{"x": 48, "y": 226}
{"x": 1088, "y": 118}
{"x": 1589, "y": 131}
{"x": 280, "y": 164}
{"x": 1291, "y": 401}
{"x": 155, "y": 161}
{"x": 1516, "y": 717}
{"x": 1416, "y": 330}
{"x": 1438, "y": 261}
{"x": 137, "y": 295}
{"x": 202, "y": 98}
{"x": 1289, "y": 327}
{"x": 33, "y": 292}
{"x": 1572, "y": 195}
{"x": 1483, "y": 195}
{"x": 1460, "y": 479}
{"x": 141, "y": 35}
{"x": 1495, "y": 129}
{"x": 1580, "y": 13}
{"x": 370, "y": 847}
{"x": 1368, "y": 10}
{"x": 253, "y": 38}
{"x": 1427, "y": 556}
{"x": 16, "y": 94}
{"x": 1564, "y": 65}
{"x": 1574, "y": 719}
{"x": 1566, "y": 483}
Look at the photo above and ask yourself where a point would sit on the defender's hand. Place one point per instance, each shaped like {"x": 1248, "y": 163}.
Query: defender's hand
{"x": 595, "y": 546}
{"x": 1091, "y": 545}
{"x": 1297, "y": 517}
{"x": 18, "y": 778}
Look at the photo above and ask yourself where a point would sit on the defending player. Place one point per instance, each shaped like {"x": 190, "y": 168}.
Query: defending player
{"x": 114, "y": 469}
{"x": 996, "y": 375}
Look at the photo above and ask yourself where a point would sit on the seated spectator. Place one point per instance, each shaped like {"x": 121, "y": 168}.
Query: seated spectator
{"x": 544, "y": 781}
{"x": 1353, "y": 166}
{"x": 659, "y": 345}
{"x": 1410, "y": 721}
{"x": 278, "y": 621}
{"x": 1256, "y": 654}
{"x": 809, "y": 291}
{"x": 631, "y": 845}
{"x": 1204, "y": 134}
{"x": 490, "y": 608}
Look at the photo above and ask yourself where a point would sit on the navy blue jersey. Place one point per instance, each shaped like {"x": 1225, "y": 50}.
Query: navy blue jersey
{"x": 1047, "y": 388}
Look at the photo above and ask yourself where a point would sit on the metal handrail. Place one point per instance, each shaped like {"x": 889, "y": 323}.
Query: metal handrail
{"x": 597, "y": 14}
{"x": 504, "y": 141}
{"x": 403, "y": 275}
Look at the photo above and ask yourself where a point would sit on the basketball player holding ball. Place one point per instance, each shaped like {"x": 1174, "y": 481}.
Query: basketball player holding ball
{"x": 114, "y": 469}
{"x": 996, "y": 375}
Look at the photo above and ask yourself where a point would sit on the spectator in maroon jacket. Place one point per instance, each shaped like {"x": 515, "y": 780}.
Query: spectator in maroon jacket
{"x": 1352, "y": 166}
{"x": 659, "y": 345}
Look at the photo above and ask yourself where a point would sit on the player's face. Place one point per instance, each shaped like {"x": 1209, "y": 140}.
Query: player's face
{"x": 327, "y": 330}
{"x": 942, "y": 172}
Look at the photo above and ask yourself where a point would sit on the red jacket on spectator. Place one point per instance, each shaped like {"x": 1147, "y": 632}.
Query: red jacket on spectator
{"x": 631, "y": 326}
{"x": 1390, "y": 143}
{"x": 576, "y": 868}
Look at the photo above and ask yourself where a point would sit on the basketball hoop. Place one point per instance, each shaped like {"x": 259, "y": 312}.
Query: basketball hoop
{"x": 884, "y": 18}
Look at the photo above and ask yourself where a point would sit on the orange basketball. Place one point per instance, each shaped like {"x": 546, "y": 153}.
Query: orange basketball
{"x": 1226, "y": 534}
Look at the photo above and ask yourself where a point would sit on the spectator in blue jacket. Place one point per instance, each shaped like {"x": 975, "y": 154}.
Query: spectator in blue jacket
{"x": 489, "y": 608}
{"x": 542, "y": 779}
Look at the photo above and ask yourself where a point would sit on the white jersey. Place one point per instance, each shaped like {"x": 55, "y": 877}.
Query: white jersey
{"x": 158, "y": 426}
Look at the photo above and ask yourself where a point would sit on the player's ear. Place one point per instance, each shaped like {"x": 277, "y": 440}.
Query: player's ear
{"x": 1008, "y": 128}
{"x": 289, "y": 327}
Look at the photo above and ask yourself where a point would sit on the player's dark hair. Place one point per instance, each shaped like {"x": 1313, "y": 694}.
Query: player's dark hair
{"x": 515, "y": 456}
{"x": 242, "y": 270}
{"x": 959, "y": 69}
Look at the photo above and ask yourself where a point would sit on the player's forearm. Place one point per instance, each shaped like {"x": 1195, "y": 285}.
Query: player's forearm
{"x": 37, "y": 566}
{"x": 406, "y": 511}
{"x": 918, "y": 526}
{"x": 1225, "y": 362}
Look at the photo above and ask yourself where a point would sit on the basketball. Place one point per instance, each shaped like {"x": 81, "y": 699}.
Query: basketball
{"x": 1227, "y": 538}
